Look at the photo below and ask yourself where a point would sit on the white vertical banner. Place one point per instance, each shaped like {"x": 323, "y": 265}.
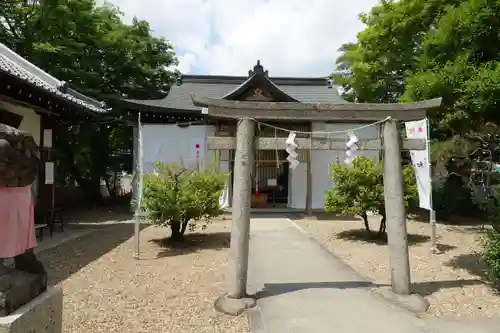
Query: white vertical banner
{"x": 421, "y": 163}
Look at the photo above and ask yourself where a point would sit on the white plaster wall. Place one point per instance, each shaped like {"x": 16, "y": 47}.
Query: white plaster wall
{"x": 320, "y": 165}
{"x": 173, "y": 144}
{"x": 30, "y": 122}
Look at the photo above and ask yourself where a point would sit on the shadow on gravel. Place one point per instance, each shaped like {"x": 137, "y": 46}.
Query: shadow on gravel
{"x": 361, "y": 235}
{"x": 68, "y": 258}
{"x": 193, "y": 243}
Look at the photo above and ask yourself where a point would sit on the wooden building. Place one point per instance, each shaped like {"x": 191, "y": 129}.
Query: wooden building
{"x": 176, "y": 130}
{"x": 36, "y": 102}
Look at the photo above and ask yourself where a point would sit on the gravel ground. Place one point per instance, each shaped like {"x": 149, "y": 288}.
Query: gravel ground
{"x": 167, "y": 291}
{"x": 452, "y": 281}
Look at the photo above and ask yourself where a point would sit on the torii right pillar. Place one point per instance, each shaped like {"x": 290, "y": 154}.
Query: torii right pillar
{"x": 395, "y": 209}
{"x": 399, "y": 260}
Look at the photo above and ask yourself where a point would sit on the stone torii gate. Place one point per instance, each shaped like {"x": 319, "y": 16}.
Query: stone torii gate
{"x": 245, "y": 112}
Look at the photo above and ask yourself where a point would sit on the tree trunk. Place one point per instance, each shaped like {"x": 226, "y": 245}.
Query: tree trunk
{"x": 184, "y": 226}
{"x": 381, "y": 230}
{"x": 111, "y": 187}
{"x": 115, "y": 183}
{"x": 365, "y": 219}
{"x": 176, "y": 232}
{"x": 108, "y": 185}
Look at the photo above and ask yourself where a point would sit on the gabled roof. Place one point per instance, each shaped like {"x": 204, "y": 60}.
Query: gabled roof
{"x": 305, "y": 90}
{"x": 13, "y": 64}
{"x": 258, "y": 77}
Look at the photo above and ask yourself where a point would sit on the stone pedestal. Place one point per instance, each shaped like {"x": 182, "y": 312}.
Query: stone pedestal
{"x": 18, "y": 288}
{"x": 43, "y": 314}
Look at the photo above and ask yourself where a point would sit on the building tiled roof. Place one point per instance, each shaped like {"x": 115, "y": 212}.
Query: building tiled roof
{"x": 13, "y": 64}
{"x": 305, "y": 90}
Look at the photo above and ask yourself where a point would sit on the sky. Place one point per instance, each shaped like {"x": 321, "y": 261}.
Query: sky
{"x": 227, "y": 37}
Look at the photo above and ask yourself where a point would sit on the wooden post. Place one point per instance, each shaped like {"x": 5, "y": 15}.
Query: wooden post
{"x": 395, "y": 210}
{"x": 135, "y": 160}
{"x": 242, "y": 188}
{"x": 309, "y": 183}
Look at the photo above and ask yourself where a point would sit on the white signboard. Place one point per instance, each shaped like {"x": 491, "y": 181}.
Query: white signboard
{"x": 420, "y": 160}
{"x": 49, "y": 172}
{"x": 47, "y": 138}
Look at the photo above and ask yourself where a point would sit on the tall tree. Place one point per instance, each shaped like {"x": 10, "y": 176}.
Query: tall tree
{"x": 420, "y": 49}
{"x": 99, "y": 55}
{"x": 374, "y": 69}
{"x": 460, "y": 61}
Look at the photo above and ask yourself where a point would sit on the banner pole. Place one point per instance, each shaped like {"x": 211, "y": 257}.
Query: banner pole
{"x": 432, "y": 212}
{"x": 139, "y": 180}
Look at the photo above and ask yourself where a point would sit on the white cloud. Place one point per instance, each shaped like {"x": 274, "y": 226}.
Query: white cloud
{"x": 290, "y": 37}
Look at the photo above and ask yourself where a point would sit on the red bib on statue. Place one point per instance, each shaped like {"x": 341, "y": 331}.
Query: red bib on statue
{"x": 17, "y": 222}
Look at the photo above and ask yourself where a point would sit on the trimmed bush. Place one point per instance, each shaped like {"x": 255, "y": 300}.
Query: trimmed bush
{"x": 179, "y": 197}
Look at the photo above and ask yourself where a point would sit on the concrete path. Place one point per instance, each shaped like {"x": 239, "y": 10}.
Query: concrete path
{"x": 303, "y": 288}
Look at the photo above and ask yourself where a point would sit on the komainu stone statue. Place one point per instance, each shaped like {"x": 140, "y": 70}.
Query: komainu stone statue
{"x": 19, "y": 165}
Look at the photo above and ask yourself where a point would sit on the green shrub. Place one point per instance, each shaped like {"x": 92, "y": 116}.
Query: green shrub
{"x": 491, "y": 240}
{"x": 453, "y": 198}
{"x": 491, "y": 254}
{"x": 359, "y": 188}
{"x": 179, "y": 197}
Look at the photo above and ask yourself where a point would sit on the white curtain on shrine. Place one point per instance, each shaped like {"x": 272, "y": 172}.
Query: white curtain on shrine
{"x": 173, "y": 144}
{"x": 169, "y": 143}
{"x": 224, "y": 198}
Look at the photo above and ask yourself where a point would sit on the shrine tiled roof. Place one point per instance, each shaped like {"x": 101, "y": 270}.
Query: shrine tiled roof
{"x": 18, "y": 67}
{"x": 304, "y": 90}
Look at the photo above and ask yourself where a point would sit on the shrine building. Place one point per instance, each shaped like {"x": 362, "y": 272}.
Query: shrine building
{"x": 181, "y": 128}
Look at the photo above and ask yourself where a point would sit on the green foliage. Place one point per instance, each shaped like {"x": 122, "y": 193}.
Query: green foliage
{"x": 460, "y": 63}
{"x": 491, "y": 254}
{"x": 179, "y": 197}
{"x": 374, "y": 69}
{"x": 358, "y": 189}
{"x": 419, "y": 49}
{"x": 91, "y": 48}
{"x": 491, "y": 240}
{"x": 452, "y": 198}
{"x": 491, "y": 205}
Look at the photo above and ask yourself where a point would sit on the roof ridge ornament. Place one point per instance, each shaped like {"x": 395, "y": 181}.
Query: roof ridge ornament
{"x": 258, "y": 69}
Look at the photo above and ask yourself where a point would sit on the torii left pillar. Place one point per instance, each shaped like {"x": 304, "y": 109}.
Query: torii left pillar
{"x": 236, "y": 300}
